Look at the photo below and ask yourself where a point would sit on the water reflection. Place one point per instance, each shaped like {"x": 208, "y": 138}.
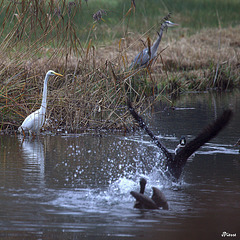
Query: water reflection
{"x": 33, "y": 153}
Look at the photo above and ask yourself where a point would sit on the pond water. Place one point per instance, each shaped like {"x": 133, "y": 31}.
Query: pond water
{"x": 77, "y": 186}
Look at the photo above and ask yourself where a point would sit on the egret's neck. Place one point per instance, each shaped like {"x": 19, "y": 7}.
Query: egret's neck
{"x": 44, "y": 99}
{"x": 157, "y": 42}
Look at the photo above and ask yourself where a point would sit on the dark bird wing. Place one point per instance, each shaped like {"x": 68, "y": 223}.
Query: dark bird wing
{"x": 176, "y": 164}
{"x": 144, "y": 201}
{"x": 143, "y": 125}
{"x": 159, "y": 198}
{"x": 207, "y": 134}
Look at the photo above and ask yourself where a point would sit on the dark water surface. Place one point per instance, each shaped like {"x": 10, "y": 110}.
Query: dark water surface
{"x": 77, "y": 186}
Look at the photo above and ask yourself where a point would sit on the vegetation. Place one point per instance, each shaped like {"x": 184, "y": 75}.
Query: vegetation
{"x": 94, "y": 55}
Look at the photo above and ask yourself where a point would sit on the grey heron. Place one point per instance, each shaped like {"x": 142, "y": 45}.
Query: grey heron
{"x": 148, "y": 54}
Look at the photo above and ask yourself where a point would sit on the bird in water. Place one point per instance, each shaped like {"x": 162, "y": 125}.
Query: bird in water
{"x": 148, "y": 54}
{"x": 157, "y": 201}
{"x": 176, "y": 162}
{"x": 33, "y": 123}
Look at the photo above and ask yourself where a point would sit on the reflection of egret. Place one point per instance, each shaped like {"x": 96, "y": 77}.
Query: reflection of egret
{"x": 158, "y": 199}
{"x": 34, "y": 155}
{"x": 35, "y": 120}
{"x": 150, "y": 53}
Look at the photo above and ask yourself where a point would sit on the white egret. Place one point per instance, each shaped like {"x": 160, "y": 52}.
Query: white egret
{"x": 35, "y": 120}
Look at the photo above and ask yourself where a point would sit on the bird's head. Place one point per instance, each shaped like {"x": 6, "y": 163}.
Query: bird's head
{"x": 167, "y": 24}
{"x": 182, "y": 141}
{"x": 170, "y": 24}
{"x": 143, "y": 182}
{"x": 51, "y": 73}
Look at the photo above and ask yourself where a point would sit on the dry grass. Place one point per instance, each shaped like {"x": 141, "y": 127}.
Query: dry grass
{"x": 209, "y": 59}
{"x": 96, "y": 83}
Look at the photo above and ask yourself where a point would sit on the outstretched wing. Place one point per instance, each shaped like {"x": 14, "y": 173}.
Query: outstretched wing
{"x": 207, "y": 134}
{"x": 143, "y": 125}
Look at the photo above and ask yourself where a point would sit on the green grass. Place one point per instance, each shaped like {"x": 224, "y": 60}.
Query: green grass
{"x": 190, "y": 14}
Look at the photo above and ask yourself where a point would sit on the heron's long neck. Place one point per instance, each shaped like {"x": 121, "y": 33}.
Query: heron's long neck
{"x": 44, "y": 99}
{"x": 157, "y": 42}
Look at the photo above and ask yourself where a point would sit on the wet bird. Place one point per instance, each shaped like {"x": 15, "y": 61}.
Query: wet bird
{"x": 148, "y": 54}
{"x": 176, "y": 162}
{"x": 143, "y": 183}
{"x": 182, "y": 144}
{"x": 33, "y": 123}
{"x": 157, "y": 201}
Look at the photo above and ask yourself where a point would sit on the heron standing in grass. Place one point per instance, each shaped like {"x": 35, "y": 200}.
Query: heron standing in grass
{"x": 33, "y": 123}
{"x": 148, "y": 54}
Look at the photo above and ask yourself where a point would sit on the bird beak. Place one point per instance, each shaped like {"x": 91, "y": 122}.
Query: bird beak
{"x": 173, "y": 24}
{"x": 58, "y": 74}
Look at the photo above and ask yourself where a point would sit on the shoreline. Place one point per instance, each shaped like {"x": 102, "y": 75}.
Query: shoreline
{"x": 92, "y": 91}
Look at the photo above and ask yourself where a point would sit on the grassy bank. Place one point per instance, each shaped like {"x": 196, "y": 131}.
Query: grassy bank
{"x": 94, "y": 57}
